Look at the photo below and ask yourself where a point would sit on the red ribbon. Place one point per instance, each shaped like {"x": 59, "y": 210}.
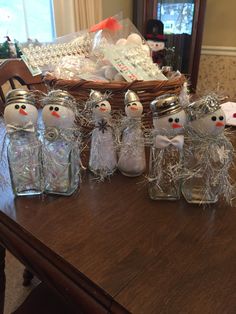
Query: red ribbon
{"x": 110, "y": 23}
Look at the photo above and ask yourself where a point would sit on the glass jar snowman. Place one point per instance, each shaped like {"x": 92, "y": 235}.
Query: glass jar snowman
{"x": 61, "y": 151}
{"x": 208, "y": 154}
{"x": 103, "y": 157}
{"x": 166, "y": 151}
{"x": 132, "y": 160}
{"x": 24, "y": 148}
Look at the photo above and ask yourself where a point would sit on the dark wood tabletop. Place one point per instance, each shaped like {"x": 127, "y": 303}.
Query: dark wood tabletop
{"x": 110, "y": 249}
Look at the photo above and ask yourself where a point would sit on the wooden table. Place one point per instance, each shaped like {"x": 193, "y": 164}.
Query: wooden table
{"x": 110, "y": 249}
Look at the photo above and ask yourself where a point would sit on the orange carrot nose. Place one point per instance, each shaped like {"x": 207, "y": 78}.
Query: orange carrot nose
{"x": 102, "y": 109}
{"x": 220, "y": 124}
{"x": 23, "y": 112}
{"x": 55, "y": 114}
{"x": 134, "y": 108}
{"x": 176, "y": 125}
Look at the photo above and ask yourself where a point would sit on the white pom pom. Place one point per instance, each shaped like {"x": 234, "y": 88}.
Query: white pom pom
{"x": 146, "y": 49}
{"x": 134, "y": 39}
{"x": 103, "y": 69}
{"x": 118, "y": 77}
{"x": 121, "y": 42}
{"x": 110, "y": 73}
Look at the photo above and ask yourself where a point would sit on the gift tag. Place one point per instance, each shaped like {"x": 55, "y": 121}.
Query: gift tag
{"x": 121, "y": 65}
{"x": 34, "y": 70}
{"x": 133, "y": 63}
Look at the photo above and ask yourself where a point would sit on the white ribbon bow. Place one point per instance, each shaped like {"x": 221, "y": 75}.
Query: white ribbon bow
{"x": 163, "y": 141}
{"x": 29, "y": 127}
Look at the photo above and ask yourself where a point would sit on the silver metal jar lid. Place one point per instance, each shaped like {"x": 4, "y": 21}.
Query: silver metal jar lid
{"x": 20, "y": 96}
{"x": 202, "y": 107}
{"x": 96, "y": 96}
{"x": 165, "y": 105}
{"x": 60, "y": 97}
{"x": 131, "y": 96}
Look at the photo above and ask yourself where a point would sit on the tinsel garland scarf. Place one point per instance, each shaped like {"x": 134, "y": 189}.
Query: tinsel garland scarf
{"x": 166, "y": 164}
{"x": 207, "y": 160}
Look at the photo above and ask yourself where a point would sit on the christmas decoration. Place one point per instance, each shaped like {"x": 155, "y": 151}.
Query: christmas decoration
{"x": 132, "y": 152}
{"x": 8, "y": 49}
{"x": 24, "y": 148}
{"x": 208, "y": 154}
{"x": 103, "y": 159}
{"x": 50, "y": 54}
{"x": 61, "y": 146}
{"x": 166, "y": 150}
{"x": 156, "y": 41}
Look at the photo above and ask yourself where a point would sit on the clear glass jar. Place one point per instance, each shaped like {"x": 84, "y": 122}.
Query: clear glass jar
{"x": 24, "y": 148}
{"x": 61, "y": 166}
{"x": 198, "y": 189}
{"x": 162, "y": 166}
{"x": 25, "y": 163}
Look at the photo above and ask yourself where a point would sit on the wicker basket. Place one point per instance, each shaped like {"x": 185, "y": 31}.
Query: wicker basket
{"x": 146, "y": 90}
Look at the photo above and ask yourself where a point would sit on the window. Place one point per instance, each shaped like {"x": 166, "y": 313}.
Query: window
{"x": 176, "y": 16}
{"x": 23, "y": 19}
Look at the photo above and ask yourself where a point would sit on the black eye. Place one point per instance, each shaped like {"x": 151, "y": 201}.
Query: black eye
{"x": 128, "y": 105}
{"x": 96, "y": 106}
{"x": 51, "y": 108}
{"x": 177, "y": 120}
{"x": 170, "y": 120}
{"x": 104, "y": 105}
{"x": 134, "y": 104}
{"x": 221, "y": 118}
{"x": 56, "y": 109}
{"x": 17, "y": 106}
{"x": 23, "y": 106}
{"x": 213, "y": 118}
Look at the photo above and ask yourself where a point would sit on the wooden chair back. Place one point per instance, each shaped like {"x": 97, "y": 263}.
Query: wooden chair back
{"x": 13, "y": 74}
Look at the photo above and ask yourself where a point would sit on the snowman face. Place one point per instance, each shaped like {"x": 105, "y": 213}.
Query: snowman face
{"x": 156, "y": 45}
{"x": 58, "y": 116}
{"x": 102, "y": 109}
{"x": 211, "y": 124}
{"x": 19, "y": 114}
{"x": 134, "y": 109}
{"x": 172, "y": 124}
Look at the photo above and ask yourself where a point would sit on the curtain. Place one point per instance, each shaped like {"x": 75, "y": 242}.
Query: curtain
{"x": 75, "y": 15}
